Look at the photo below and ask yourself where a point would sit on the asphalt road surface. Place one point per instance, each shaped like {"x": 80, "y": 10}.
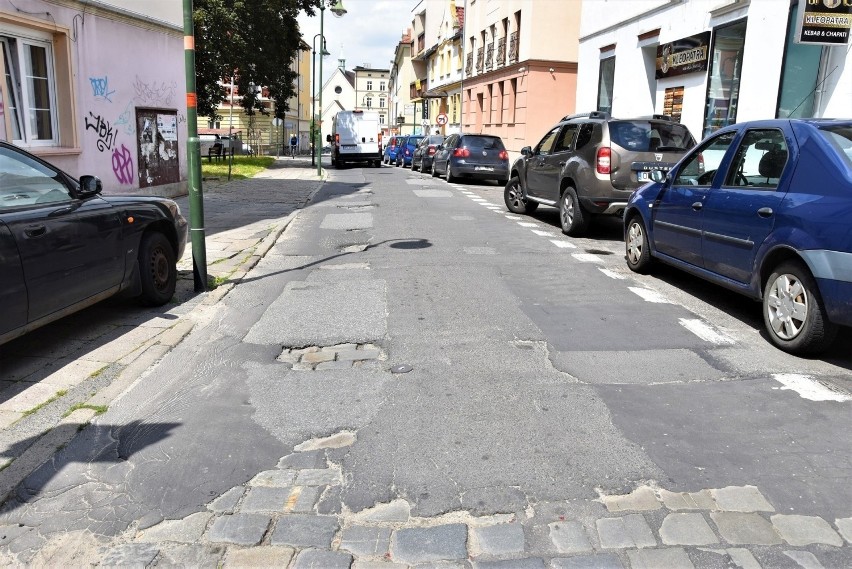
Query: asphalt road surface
{"x": 544, "y": 377}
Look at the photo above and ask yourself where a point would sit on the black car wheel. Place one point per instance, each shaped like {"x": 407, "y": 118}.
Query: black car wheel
{"x": 638, "y": 251}
{"x": 793, "y": 311}
{"x": 572, "y": 218}
{"x": 513, "y": 195}
{"x": 450, "y": 177}
{"x": 414, "y": 167}
{"x": 434, "y": 172}
{"x": 157, "y": 269}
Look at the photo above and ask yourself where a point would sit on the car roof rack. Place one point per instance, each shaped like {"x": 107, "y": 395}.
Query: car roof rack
{"x": 592, "y": 115}
{"x": 658, "y": 117}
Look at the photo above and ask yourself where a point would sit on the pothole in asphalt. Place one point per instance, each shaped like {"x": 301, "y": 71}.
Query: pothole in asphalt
{"x": 337, "y": 356}
{"x": 355, "y": 248}
{"x": 599, "y": 252}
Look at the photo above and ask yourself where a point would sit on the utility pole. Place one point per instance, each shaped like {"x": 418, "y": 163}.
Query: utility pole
{"x": 193, "y": 152}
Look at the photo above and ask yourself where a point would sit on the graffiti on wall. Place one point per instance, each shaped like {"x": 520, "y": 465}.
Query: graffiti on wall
{"x": 122, "y": 165}
{"x": 105, "y": 132}
{"x": 100, "y": 88}
{"x": 154, "y": 93}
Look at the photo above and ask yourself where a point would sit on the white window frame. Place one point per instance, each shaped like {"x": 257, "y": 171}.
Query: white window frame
{"x": 24, "y": 38}
{"x": 369, "y": 85}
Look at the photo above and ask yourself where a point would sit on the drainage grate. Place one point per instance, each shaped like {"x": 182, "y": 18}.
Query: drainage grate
{"x": 338, "y": 356}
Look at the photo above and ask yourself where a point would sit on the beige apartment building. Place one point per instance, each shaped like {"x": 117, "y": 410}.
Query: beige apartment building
{"x": 372, "y": 92}
{"x": 520, "y": 71}
{"x": 401, "y": 77}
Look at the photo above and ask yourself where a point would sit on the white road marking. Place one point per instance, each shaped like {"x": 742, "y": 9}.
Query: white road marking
{"x": 562, "y": 244}
{"x": 649, "y": 295}
{"x": 541, "y": 233}
{"x": 433, "y": 193}
{"x": 587, "y": 258}
{"x": 513, "y": 217}
{"x": 612, "y": 274}
{"x": 527, "y": 224}
{"x": 705, "y": 331}
{"x": 809, "y": 388}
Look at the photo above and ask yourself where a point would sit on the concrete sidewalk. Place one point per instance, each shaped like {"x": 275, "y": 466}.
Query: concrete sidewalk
{"x": 67, "y": 372}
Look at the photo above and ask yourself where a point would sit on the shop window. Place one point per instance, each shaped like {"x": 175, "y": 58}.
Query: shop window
{"x": 673, "y": 103}
{"x": 606, "y": 79}
{"x": 799, "y": 76}
{"x": 724, "y": 85}
{"x": 29, "y": 90}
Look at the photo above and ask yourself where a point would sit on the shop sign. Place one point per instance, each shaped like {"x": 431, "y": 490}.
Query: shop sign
{"x": 824, "y": 22}
{"x": 686, "y": 55}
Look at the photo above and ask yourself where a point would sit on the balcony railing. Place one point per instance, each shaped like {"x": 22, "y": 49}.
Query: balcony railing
{"x": 513, "y": 47}
{"x": 489, "y": 57}
{"x": 480, "y": 59}
{"x": 501, "y": 52}
{"x": 468, "y": 68}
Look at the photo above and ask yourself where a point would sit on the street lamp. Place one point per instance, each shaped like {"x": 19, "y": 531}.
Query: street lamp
{"x": 338, "y": 10}
{"x": 314, "y": 96}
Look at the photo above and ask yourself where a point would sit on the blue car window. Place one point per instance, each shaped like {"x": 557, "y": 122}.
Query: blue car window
{"x": 700, "y": 168}
{"x": 759, "y": 161}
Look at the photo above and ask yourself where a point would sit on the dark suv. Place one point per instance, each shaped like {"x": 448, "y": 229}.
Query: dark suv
{"x": 589, "y": 164}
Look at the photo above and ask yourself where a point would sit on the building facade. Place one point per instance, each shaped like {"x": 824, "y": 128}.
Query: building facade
{"x": 372, "y": 93}
{"x": 707, "y": 63}
{"x": 401, "y": 77}
{"x": 98, "y": 89}
{"x": 338, "y": 94}
{"x": 442, "y": 67}
{"x": 520, "y": 67}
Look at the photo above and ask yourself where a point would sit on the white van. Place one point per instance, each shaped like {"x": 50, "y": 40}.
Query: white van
{"x": 356, "y": 136}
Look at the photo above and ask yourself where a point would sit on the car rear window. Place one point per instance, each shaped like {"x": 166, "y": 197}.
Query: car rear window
{"x": 436, "y": 139}
{"x": 414, "y": 140}
{"x": 840, "y": 137}
{"x": 646, "y": 136}
{"x": 482, "y": 142}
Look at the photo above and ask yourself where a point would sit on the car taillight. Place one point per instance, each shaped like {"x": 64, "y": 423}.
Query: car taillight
{"x": 603, "y": 160}
{"x": 462, "y": 152}
{"x": 337, "y": 139}
{"x": 503, "y": 155}
{"x": 431, "y": 150}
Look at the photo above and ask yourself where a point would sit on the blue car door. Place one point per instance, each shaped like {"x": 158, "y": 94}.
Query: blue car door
{"x": 677, "y": 214}
{"x": 740, "y": 214}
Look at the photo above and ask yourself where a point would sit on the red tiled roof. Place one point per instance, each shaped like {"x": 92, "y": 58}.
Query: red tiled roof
{"x": 460, "y": 16}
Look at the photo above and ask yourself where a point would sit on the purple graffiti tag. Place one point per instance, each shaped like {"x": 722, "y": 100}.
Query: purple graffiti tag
{"x": 122, "y": 165}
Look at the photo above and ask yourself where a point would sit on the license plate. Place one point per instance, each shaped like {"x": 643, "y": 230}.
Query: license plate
{"x": 643, "y": 176}
{"x": 484, "y": 168}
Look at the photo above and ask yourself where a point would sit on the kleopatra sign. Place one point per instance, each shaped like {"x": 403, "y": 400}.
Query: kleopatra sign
{"x": 824, "y": 22}
{"x": 687, "y": 55}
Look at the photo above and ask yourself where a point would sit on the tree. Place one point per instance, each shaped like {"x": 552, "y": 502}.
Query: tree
{"x": 255, "y": 41}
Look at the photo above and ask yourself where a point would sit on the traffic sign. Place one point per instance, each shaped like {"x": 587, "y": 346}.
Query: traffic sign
{"x": 442, "y": 119}
{"x": 277, "y": 122}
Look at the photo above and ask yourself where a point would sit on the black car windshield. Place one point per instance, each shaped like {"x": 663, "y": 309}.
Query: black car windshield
{"x": 840, "y": 137}
{"x": 646, "y": 136}
{"x": 482, "y": 142}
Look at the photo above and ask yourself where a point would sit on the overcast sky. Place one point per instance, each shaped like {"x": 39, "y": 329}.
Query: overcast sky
{"x": 368, "y": 33}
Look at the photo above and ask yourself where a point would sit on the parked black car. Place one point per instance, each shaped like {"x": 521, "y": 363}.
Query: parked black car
{"x": 480, "y": 156}
{"x": 588, "y": 164}
{"x": 425, "y": 152}
{"x": 63, "y": 246}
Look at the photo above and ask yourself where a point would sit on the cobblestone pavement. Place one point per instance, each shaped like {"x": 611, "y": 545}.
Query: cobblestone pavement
{"x": 290, "y": 516}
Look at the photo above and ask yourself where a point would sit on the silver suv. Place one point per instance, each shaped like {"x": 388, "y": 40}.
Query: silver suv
{"x": 589, "y": 164}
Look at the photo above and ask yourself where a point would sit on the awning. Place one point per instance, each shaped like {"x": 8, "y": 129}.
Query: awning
{"x": 434, "y": 94}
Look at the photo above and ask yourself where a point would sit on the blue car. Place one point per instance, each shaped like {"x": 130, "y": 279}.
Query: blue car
{"x": 389, "y": 155}
{"x": 762, "y": 208}
{"x": 406, "y": 150}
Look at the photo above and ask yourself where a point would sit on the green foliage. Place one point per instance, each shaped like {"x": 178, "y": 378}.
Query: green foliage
{"x": 255, "y": 41}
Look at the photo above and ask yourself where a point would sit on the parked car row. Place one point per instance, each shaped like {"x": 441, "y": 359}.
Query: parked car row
{"x": 760, "y": 208}
{"x": 477, "y": 156}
